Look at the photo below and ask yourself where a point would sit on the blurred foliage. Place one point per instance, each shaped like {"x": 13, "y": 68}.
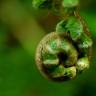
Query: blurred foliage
{"x": 21, "y": 28}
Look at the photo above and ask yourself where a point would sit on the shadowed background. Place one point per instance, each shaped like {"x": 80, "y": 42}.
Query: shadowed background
{"x": 21, "y": 29}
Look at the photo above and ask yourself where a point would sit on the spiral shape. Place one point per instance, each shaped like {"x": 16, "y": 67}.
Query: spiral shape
{"x": 59, "y": 58}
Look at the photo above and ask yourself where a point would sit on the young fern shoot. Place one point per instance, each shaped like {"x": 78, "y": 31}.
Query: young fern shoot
{"x": 66, "y": 52}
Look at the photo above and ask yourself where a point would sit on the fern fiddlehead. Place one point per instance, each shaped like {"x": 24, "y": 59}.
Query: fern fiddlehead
{"x": 66, "y": 52}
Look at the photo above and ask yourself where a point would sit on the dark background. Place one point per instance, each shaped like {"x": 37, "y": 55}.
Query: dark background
{"x": 21, "y": 29}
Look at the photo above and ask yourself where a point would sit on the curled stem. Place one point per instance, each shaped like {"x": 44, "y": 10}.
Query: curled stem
{"x": 58, "y": 57}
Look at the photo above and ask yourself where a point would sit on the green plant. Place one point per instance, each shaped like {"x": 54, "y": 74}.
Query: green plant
{"x": 63, "y": 54}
